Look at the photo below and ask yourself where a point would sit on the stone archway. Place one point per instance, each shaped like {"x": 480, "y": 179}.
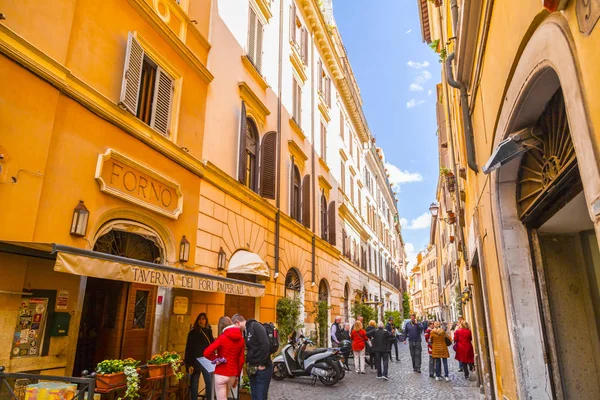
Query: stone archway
{"x": 546, "y": 64}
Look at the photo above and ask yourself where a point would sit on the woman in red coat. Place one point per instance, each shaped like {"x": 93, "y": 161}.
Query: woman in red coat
{"x": 230, "y": 347}
{"x": 464, "y": 348}
{"x": 359, "y": 342}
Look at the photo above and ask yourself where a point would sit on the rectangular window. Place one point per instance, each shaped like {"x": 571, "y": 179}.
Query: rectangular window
{"x": 297, "y": 102}
{"x": 147, "y": 90}
{"x": 323, "y": 142}
{"x": 255, "y": 38}
{"x": 342, "y": 123}
{"x": 343, "y": 177}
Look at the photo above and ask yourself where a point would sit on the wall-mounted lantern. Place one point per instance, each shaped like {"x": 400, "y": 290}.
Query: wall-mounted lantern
{"x": 184, "y": 250}
{"x": 433, "y": 209}
{"x": 466, "y": 294}
{"x": 221, "y": 260}
{"x": 79, "y": 224}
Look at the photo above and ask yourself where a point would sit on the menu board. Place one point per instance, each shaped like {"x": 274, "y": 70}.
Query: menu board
{"x": 31, "y": 323}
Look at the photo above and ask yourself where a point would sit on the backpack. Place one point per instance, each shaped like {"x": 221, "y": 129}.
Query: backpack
{"x": 273, "y": 335}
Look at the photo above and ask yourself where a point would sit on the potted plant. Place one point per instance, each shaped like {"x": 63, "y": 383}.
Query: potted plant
{"x": 156, "y": 366}
{"x": 451, "y": 239}
{"x": 245, "y": 393}
{"x": 113, "y": 374}
{"x": 173, "y": 367}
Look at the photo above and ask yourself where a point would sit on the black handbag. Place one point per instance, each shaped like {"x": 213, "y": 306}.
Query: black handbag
{"x": 448, "y": 341}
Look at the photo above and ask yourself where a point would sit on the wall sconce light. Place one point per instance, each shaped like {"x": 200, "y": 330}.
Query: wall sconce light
{"x": 184, "y": 250}
{"x": 79, "y": 224}
{"x": 221, "y": 259}
{"x": 466, "y": 294}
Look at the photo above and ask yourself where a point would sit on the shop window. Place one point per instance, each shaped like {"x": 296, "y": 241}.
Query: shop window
{"x": 147, "y": 90}
{"x": 140, "y": 309}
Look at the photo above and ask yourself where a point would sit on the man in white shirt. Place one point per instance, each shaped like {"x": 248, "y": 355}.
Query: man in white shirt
{"x": 336, "y": 332}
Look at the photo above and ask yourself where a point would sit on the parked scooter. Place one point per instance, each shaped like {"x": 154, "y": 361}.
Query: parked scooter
{"x": 295, "y": 360}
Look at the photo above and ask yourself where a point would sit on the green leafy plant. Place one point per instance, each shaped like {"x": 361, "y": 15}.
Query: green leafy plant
{"x": 321, "y": 314}
{"x": 443, "y": 55}
{"x": 108, "y": 367}
{"x": 288, "y": 316}
{"x": 434, "y": 45}
{"x": 133, "y": 383}
{"x": 394, "y": 314}
{"x": 405, "y": 305}
{"x": 364, "y": 310}
{"x": 168, "y": 357}
{"x": 445, "y": 171}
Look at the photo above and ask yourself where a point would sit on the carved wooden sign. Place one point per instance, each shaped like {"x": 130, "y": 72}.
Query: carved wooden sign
{"x": 588, "y": 12}
{"x": 126, "y": 179}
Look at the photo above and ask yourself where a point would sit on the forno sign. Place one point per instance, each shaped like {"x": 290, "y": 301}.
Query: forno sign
{"x": 126, "y": 179}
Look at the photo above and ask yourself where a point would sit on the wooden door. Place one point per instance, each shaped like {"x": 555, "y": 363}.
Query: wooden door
{"x": 242, "y": 305}
{"x": 137, "y": 335}
{"x": 111, "y": 296}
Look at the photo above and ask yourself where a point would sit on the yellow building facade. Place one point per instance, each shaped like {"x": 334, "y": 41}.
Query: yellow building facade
{"x": 157, "y": 161}
{"x": 517, "y": 133}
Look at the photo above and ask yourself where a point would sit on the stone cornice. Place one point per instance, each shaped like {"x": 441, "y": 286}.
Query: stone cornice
{"x": 253, "y": 101}
{"x": 298, "y": 154}
{"x": 258, "y": 78}
{"x": 348, "y": 215}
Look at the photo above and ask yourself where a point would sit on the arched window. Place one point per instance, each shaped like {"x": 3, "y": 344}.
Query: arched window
{"x": 251, "y": 154}
{"x": 323, "y": 291}
{"x": 323, "y": 217}
{"x": 293, "y": 284}
{"x": 296, "y": 212}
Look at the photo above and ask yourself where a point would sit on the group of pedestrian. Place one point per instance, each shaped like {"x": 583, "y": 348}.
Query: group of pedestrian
{"x": 226, "y": 352}
{"x": 438, "y": 339}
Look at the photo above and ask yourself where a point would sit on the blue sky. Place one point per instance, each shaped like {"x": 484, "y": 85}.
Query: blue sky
{"x": 397, "y": 74}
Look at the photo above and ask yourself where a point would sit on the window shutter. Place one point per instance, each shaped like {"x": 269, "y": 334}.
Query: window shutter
{"x": 161, "y": 107}
{"x": 268, "y": 161}
{"x": 242, "y": 150}
{"x": 343, "y": 177}
{"x": 293, "y": 23}
{"x": 132, "y": 75}
{"x": 331, "y": 223}
{"x": 304, "y": 45}
{"x": 291, "y": 188}
{"x": 342, "y": 126}
{"x": 306, "y": 201}
{"x": 252, "y": 36}
{"x": 320, "y": 76}
{"x": 259, "y": 39}
{"x": 328, "y": 91}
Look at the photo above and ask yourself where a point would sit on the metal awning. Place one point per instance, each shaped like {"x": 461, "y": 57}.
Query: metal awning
{"x": 91, "y": 263}
{"x": 245, "y": 262}
{"x": 512, "y": 147}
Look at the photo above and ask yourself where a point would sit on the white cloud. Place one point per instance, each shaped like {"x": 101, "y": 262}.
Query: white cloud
{"x": 414, "y": 102}
{"x": 411, "y": 254}
{"x": 398, "y": 177}
{"x": 408, "y": 31}
{"x": 416, "y": 64}
{"x": 415, "y": 87}
{"x": 429, "y": 92}
{"x": 423, "y": 221}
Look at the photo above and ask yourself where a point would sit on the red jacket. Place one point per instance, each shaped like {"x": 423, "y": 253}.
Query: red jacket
{"x": 229, "y": 345}
{"x": 427, "y": 336}
{"x": 359, "y": 339}
{"x": 464, "y": 348}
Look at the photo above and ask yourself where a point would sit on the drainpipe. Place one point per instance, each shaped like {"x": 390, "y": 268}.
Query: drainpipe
{"x": 313, "y": 166}
{"x": 466, "y": 116}
{"x": 279, "y": 109}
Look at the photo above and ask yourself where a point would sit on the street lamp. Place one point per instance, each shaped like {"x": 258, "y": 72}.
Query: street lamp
{"x": 221, "y": 259}
{"x": 80, "y": 219}
{"x": 184, "y": 250}
{"x": 433, "y": 209}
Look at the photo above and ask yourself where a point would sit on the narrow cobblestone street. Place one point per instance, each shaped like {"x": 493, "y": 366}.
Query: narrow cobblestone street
{"x": 403, "y": 384}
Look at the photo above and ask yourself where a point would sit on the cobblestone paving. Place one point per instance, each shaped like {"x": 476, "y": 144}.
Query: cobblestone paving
{"x": 403, "y": 384}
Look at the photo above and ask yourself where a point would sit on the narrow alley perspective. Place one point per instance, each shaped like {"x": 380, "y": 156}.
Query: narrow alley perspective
{"x": 299, "y": 199}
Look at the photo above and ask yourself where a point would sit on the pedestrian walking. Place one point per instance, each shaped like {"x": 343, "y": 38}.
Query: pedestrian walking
{"x": 370, "y": 330}
{"x": 346, "y": 345}
{"x": 227, "y": 352}
{"x": 336, "y": 332}
{"x": 345, "y": 335}
{"x": 381, "y": 342}
{"x": 391, "y": 328}
{"x": 199, "y": 338}
{"x": 412, "y": 332}
{"x": 439, "y": 350}
{"x": 359, "y": 344}
{"x": 429, "y": 350}
{"x": 465, "y": 354}
{"x": 258, "y": 356}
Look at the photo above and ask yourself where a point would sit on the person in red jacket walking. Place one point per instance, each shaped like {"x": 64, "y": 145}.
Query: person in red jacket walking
{"x": 429, "y": 349}
{"x": 229, "y": 347}
{"x": 359, "y": 342}
{"x": 464, "y": 348}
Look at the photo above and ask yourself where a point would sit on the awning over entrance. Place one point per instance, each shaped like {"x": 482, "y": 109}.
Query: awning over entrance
{"x": 510, "y": 148}
{"x": 245, "y": 262}
{"x": 77, "y": 261}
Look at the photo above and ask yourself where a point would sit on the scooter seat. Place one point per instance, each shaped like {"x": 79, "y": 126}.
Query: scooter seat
{"x": 308, "y": 354}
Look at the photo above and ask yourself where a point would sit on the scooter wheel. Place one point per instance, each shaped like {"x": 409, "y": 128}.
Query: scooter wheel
{"x": 334, "y": 377}
{"x": 279, "y": 371}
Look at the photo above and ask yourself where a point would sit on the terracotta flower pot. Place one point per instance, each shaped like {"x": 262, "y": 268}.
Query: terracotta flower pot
{"x": 168, "y": 368}
{"x": 156, "y": 371}
{"x": 111, "y": 381}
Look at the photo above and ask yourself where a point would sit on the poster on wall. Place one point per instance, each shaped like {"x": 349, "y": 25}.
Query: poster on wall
{"x": 29, "y": 331}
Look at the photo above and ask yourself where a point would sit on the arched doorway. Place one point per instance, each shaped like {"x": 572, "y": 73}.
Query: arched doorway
{"x": 118, "y": 317}
{"x": 294, "y": 288}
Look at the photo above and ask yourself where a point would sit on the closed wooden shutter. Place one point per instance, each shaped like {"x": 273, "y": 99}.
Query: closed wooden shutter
{"x": 291, "y": 192}
{"x": 320, "y": 76}
{"x": 323, "y": 142}
{"x": 343, "y": 177}
{"x": 259, "y": 40}
{"x": 293, "y": 23}
{"x": 344, "y": 242}
{"x": 242, "y": 148}
{"x": 304, "y": 45}
{"x": 331, "y": 222}
{"x": 268, "y": 163}
{"x": 252, "y": 36}
{"x": 342, "y": 126}
{"x": 132, "y": 74}
{"x": 306, "y": 201}
{"x": 328, "y": 91}
{"x": 161, "y": 107}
